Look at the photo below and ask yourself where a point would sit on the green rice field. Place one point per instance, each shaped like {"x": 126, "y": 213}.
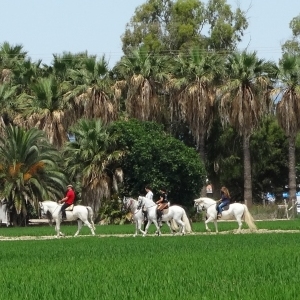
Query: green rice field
{"x": 200, "y": 266}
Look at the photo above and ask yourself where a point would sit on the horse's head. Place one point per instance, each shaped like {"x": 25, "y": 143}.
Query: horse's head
{"x": 126, "y": 204}
{"x": 43, "y": 208}
{"x": 140, "y": 202}
{"x": 199, "y": 204}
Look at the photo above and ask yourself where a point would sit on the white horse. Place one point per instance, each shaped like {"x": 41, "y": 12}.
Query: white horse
{"x": 138, "y": 216}
{"x": 174, "y": 212}
{"x": 79, "y": 213}
{"x": 236, "y": 210}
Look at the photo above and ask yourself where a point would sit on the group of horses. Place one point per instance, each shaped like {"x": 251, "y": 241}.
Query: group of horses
{"x": 174, "y": 216}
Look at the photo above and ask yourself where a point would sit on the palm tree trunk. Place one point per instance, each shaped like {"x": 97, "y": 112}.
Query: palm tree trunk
{"x": 203, "y": 158}
{"x": 247, "y": 171}
{"x": 292, "y": 169}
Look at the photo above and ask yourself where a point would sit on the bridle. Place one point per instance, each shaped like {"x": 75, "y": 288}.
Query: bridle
{"x": 44, "y": 212}
{"x": 200, "y": 207}
{"x": 128, "y": 204}
{"x": 141, "y": 203}
{"x": 42, "y": 208}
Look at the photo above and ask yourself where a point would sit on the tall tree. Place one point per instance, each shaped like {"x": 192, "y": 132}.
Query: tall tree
{"x": 154, "y": 157}
{"x": 90, "y": 160}
{"x": 47, "y": 109}
{"x": 10, "y": 57}
{"x": 29, "y": 169}
{"x": 176, "y": 25}
{"x": 288, "y": 110}
{"x": 193, "y": 91}
{"x": 93, "y": 90}
{"x": 145, "y": 75}
{"x": 245, "y": 100}
{"x": 292, "y": 46}
{"x": 7, "y": 103}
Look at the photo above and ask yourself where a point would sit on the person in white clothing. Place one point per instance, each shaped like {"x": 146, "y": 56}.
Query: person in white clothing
{"x": 149, "y": 192}
{"x": 150, "y": 196}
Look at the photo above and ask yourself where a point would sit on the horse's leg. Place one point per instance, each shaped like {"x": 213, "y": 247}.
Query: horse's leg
{"x": 147, "y": 227}
{"x": 169, "y": 225}
{"x": 239, "y": 220}
{"x": 57, "y": 228}
{"x": 157, "y": 227}
{"x": 216, "y": 225}
{"x": 79, "y": 222}
{"x": 209, "y": 219}
{"x": 89, "y": 225}
{"x": 137, "y": 227}
{"x": 182, "y": 226}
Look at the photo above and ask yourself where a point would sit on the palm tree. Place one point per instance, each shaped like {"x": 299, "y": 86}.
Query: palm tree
{"x": 7, "y": 103}
{"x": 90, "y": 159}
{"x": 47, "y": 109}
{"x": 10, "y": 58}
{"x": 93, "y": 90}
{"x": 193, "y": 85}
{"x": 245, "y": 100}
{"x": 29, "y": 170}
{"x": 145, "y": 74}
{"x": 288, "y": 111}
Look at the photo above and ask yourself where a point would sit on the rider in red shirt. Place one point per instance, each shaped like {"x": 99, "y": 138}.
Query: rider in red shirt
{"x": 67, "y": 201}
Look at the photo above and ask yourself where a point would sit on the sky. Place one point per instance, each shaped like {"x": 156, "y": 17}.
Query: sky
{"x": 51, "y": 27}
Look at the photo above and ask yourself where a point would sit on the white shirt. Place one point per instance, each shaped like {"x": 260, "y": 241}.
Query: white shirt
{"x": 149, "y": 195}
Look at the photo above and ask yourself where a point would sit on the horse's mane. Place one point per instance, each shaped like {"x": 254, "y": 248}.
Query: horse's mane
{"x": 203, "y": 199}
{"x": 130, "y": 198}
{"x": 49, "y": 201}
{"x": 147, "y": 199}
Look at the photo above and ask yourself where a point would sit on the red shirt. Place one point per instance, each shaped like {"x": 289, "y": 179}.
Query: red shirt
{"x": 71, "y": 196}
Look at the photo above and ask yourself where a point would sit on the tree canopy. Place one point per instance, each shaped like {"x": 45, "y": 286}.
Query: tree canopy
{"x": 156, "y": 158}
{"x": 170, "y": 26}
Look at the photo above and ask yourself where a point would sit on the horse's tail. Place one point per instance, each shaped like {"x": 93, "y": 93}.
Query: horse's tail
{"x": 91, "y": 216}
{"x": 186, "y": 221}
{"x": 174, "y": 225}
{"x": 249, "y": 219}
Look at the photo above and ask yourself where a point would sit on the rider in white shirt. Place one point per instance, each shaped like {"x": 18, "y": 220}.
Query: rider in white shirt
{"x": 149, "y": 192}
{"x": 150, "y": 196}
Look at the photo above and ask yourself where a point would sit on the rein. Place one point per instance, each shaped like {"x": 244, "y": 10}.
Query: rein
{"x": 208, "y": 206}
{"x": 48, "y": 208}
{"x": 151, "y": 206}
{"x": 55, "y": 209}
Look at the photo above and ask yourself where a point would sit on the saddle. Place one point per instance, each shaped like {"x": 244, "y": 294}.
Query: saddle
{"x": 70, "y": 208}
{"x": 165, "y": 210}
{"x": 223, "y": 208}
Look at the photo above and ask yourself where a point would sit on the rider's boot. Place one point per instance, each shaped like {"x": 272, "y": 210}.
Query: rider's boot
{"x": 63, "y": 217}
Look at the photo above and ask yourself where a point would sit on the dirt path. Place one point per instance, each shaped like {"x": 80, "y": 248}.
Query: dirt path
{"x": 51, "y": 237}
